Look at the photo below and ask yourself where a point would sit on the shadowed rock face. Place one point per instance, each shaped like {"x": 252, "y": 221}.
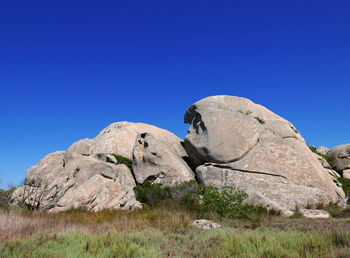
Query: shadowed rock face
{"x": 236, "y": 142}
{"x": 88, "y": 175}
{"x": 160, "y": 161}
{"x": 341, "y": 156}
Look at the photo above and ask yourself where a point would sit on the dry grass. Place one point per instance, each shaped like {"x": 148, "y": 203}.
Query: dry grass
{"x": 19, "y": 224}
{"x": 165, "y": 231}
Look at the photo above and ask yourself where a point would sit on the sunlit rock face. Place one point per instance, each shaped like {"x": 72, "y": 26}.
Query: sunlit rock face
{"x": 87, "y": 175}
{"x": 233, "y": 141}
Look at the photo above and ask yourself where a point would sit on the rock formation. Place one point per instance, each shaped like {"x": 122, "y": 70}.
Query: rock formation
{"x": 341, "y": 157}
{"x": 233, "y": 141}
{"x": 87, "y": 175}
{"x": 161, "y": 161}
{"x": 323, "y": 150}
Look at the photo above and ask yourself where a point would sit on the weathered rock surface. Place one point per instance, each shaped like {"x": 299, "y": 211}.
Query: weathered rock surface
{"x": 119, "y": 138}
{"x": 323, "y": 150}
{"x": 160, "y": 161}
{"x": 322, "y": 161}
{"x": 236, "y": 142}
{"x": 341, "y": 156}
{"x": 205, "y": 224}
{"x": 88, "y": 175}
{"x": 314, "y": 214}
{"x": 346, "y": 173}
{"x": 326, "y": 165}
{"x": 68, "y": 180}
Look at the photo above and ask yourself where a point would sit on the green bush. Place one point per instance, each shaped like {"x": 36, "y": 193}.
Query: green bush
{"x": 337, "y": 212}
{"x": 345, "y": 184}
{"x": 226, "y": 202}
{"x": 187, "y": 193}
{"x": 152, "y": 193}
{"x": 123, "y": 160}
{"x": 5, "y": 197}
{"x": 312, "y": 148}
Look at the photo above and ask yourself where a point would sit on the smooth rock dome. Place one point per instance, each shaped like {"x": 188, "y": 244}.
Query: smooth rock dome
{"x": 87, "y": 175}
{"x": 233, "y": 141}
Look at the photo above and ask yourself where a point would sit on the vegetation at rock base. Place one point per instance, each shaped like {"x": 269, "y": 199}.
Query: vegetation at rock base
{"x": 162, "y": 228}
{"x": 226, "y": 201}
{"x": 164, "y": 231}
{"x": 345, "y": 184}
{"x": 123, "y": 160}
{"x": 5, "y": 196}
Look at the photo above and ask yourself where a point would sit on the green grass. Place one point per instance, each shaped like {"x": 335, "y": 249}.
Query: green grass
{"x": 192, "y": 243}
{"x": 247, "y": 112}
{"x": 165, "y": 230}
{"x": 345, "y": 184}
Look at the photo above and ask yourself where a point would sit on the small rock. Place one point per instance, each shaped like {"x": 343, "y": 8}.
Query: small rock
{"x": 314, "y": 214}
{"x": 205, "y": 224}
{"x": 323, "y": 150}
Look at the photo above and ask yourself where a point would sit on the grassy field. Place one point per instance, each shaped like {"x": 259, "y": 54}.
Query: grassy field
{"x": 166, "y": 231}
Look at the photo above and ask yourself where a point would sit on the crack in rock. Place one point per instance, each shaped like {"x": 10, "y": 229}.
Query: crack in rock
{"x": 244, "y": 170}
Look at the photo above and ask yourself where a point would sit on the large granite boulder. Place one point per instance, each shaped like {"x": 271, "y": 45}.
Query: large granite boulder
{"x": 160, "y": 161}
{"x": 236, "y": 142}
{"x": 87, "y": 175}
{"x": 62, "y": 180}
{"x": 341, "y": 156}
{"x": 119, "y": 138}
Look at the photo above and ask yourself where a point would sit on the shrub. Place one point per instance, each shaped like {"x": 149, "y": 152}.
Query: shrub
{"x": 5, "y": 197}
{"x": 345, "y": 184}
{"x": 312, "y": 148}
{"x": 226, "y": 201}
{"x": 151, "y": 193}
{"x": 187, "y": 193}
{"x": 123, "y": 160}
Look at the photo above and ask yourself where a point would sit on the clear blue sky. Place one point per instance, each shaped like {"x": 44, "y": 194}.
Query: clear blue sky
{"x": 70, "y": 68}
